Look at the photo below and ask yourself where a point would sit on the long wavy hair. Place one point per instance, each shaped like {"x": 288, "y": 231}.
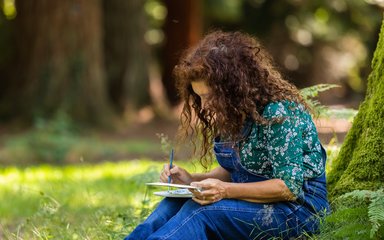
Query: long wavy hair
{"x": 242, "y": 79}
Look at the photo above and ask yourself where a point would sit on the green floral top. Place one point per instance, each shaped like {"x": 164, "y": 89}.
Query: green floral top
{"x": 289, "y": 150}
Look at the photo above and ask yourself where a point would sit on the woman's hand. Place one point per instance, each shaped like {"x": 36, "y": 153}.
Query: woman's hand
{"x": 213, "y": 190}
{"x": 178, "y": 175}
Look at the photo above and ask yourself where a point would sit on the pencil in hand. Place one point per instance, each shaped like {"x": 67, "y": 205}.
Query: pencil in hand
{"x": 170, "y": 166}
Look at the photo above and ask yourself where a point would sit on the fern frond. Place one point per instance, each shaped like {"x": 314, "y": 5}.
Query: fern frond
{"x": 375, "y": 207}
{"x": 310, "y": 93}
{"x": 359, "y": 194}
{"x": 376, "y": 213}
{"x": 313, "y": 91}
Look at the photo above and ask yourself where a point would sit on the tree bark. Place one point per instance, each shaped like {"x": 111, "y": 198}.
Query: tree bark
{"x": 183, "y": 28}
{"x": 127, "y": 54}
{"x": 360, "y": 163}
{"x": 61, "y": 60}
{"x": 7, "y": 63}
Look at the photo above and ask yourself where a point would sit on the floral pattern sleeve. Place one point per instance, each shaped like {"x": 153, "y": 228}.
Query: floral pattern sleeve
{"x": 284, "y": 146}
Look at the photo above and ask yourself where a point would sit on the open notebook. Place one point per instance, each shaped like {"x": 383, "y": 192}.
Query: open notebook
{"x": 181, "y": 192}
{"x": 178, "y": 193}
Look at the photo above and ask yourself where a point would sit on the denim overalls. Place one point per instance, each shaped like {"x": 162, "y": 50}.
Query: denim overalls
{"x": 233, "y": 219}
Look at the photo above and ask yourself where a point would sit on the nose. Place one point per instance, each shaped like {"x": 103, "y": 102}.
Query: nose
{"x": 203, "y": 103}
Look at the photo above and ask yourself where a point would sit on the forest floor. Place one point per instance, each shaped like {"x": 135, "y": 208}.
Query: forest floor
{"x": 151, "y": 139}
{"x": 330, "y": 130}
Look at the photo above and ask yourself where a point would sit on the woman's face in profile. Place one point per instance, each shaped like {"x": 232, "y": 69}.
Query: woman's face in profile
{"x": 202, "y": 90}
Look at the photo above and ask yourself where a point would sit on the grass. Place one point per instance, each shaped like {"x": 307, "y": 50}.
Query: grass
{"x": 107, "y": 200}
{"x": 103, "y": 201}
{"x": 349, "y": 220}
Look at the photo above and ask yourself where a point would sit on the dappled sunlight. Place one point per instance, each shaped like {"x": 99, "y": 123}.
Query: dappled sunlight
{"x": 90, "y": 196}
{"x": 9, "y": 9}
{"x": 89, "y": 108}
{"x": 9, "y": 175}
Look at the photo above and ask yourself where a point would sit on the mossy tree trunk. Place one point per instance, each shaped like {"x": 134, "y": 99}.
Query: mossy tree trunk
{"x": 360, "y": 163}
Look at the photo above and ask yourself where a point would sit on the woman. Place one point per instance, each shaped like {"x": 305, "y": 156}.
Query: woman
{"x": 270, "y": 182}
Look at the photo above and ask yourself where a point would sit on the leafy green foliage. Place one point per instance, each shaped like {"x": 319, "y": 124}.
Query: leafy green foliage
{"x": 310, "y": 93}
{"x": 375, "y": 207}
{"x": 313, "y": 91}
{"x": 346, "y": 223}
{"x": 355, "y": 215}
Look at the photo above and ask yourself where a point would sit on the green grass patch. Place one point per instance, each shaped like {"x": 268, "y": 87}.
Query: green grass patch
{"x": 104, "y": 201}
{"x": 107, "y": 200}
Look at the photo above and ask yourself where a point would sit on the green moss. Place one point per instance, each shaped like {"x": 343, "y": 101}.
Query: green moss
{"x": 360, "y": 163}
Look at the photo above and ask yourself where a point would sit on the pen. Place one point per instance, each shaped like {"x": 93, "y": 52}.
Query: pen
{"x": 170, "y": 166}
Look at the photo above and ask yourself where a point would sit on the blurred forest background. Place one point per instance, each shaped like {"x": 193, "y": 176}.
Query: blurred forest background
{"x": 78, "y": 73}
{"x": 88, "y": 108}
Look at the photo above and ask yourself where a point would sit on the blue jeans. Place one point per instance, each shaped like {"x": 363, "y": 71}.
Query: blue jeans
{"x": 180, "y": 219}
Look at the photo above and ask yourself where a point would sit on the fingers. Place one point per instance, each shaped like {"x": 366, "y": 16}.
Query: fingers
{"x": 174, "y": 173}
{"x": 212, "y": 191}
{"x": 175, "y": 170}
{"x": 200, "y": 201}
{"x": 205, "y": 200}
{"x": 207, "y": 194}
{"x": 206, "y": 185}
{"x": 205, "y": 197}
{"x": 165, "y": 173}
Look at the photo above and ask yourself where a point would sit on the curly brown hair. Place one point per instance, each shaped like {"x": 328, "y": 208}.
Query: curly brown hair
{"x": 242, "y": 79}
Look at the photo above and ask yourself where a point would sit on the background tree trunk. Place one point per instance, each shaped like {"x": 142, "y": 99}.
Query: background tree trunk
{"x": 183, "y": 28}
{"x": 7, "y": 63}
{"x": 360, "y": 163}
{"x": 61, "y": 61}
{"x": 127, "y": 54}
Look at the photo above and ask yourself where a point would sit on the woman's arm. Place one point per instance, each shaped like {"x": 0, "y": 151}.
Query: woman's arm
{"x": 217, "y": 185}
{"x": 273, "y": 190}
{"x": 284, "y": 146}
{"x": 217, "y": 173}
{"x": 181, "y": 176}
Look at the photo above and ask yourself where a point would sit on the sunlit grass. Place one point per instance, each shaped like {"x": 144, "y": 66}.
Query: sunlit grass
{"x": 107, "y": 200}
{"x": 102, "y": 201}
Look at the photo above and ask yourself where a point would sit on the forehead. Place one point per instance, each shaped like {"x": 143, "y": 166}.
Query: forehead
{"x": 200, "y": 87}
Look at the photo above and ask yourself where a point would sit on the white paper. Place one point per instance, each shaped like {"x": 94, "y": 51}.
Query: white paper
{"x": 172, "y": 185}
{"x": 178, "y": 193}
